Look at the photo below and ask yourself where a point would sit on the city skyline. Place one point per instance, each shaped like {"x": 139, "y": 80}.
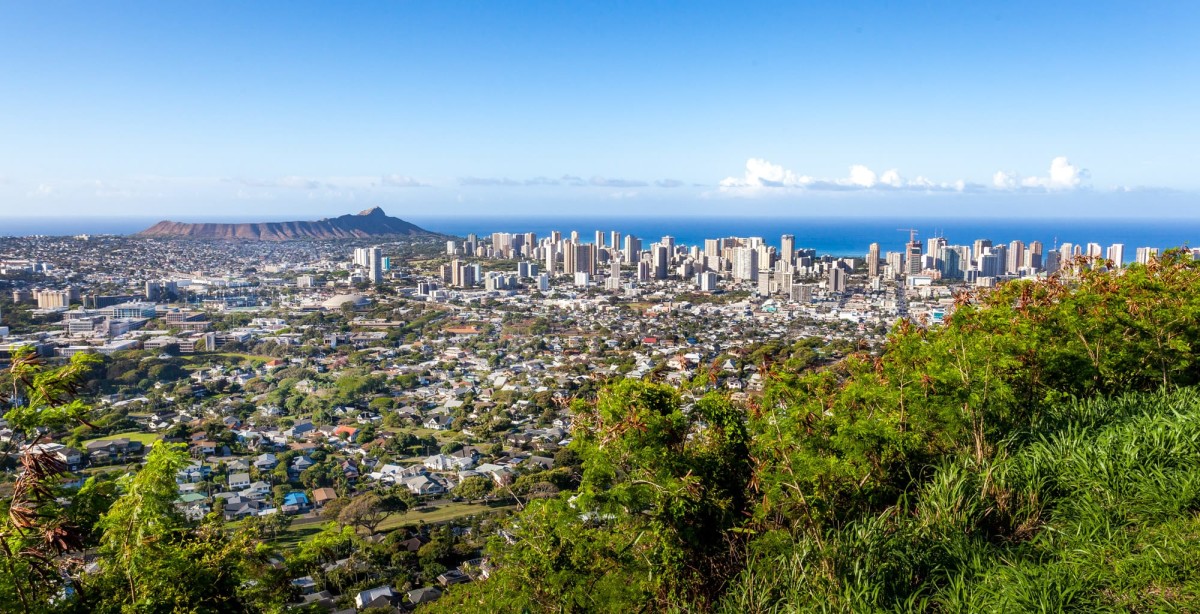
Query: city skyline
{"x": 309, "y": 110}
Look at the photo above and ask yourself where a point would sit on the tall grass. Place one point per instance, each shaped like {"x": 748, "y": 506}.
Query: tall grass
{"x": 1094, "y": 509}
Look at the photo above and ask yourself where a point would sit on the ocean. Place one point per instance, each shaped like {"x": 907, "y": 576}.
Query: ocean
{"x": 835, "y": 236}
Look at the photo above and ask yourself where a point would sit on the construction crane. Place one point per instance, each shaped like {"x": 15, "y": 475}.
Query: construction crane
{"x": 912, "y": 233}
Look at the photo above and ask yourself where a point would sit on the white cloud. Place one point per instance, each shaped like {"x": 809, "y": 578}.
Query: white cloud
{"x": 1004, "y": 181}
{"x": 1065, "y": 175}
{"x": 1062, "y": 176}
{"x": 401, "y": 181}
{"x": 862, "y": 176}
{"x": 892, "y": 178}
{"x": 762, "y": 177}
{"x": 760, "y": 173}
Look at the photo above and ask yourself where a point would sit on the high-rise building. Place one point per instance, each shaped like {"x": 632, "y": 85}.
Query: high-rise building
{"x": 873, "y": 260}
{"x": 783, "y": 277}
{"x": 585, "y": 258}
{"x": 712, "y": 248}
{"x": 955, "y": 259}
{"x": 633, "y": 249}
{"x": 643, "y": 271}
{"x": 570, "y": 258}
{"x": 1065, "y": 254}
{"x": 912, "y": 257}
{"x": 933, "y": 251}
{"x": 462, "y": 275}
{"x": 895, "y": 262}
{"x": 980, "y": 245}
{"x": 375, "y": 265}
{"x": 661, "y": 260}
{"x": 669, "y": 241}
{"x": 599, "y": 239}
{"x": 1143, "y": 256}
{"x": 1001, "y": 253}
{"x": 1033, "y": 256}
{"x": 1116, "y": 253}
{"x": 745, "y": 264}
{"x": 837, "y": 279}
{"x": 1050, "y": 261}
{"x": 787, "y": 248}
{"x": 1015, "y": 258}
{"x": 989, "y": 263}
{"x": 543, "y": 282}
{"x": 707, "y": 282}
{"x": 451, "y": 248}
{"x": 615, "y": 240}
{"x": 551, "y": 258}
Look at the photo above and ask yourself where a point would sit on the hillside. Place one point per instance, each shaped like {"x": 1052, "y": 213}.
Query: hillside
{"x": 370, "y": 223}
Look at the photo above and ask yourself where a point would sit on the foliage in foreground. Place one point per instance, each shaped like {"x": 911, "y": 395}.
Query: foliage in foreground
{"x": 974, "y": 466}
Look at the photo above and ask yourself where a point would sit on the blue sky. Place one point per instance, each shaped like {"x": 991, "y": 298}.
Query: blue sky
{"x": 279, "y": 109}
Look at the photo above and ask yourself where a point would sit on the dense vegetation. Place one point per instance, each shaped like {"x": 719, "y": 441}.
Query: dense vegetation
{"x": 1039, "y": 451}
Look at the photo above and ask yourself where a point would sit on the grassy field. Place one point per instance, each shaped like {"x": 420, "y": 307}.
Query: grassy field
{"x": 146, "y": 438}
{"x": 292, "y": 537}
{"x": 297, "y": 533}
{"x": 442, "y": 513}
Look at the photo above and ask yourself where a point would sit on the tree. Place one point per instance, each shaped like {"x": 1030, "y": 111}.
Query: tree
{"x": 648, "y": 526}
{"x": 473, "y": 488}
{"x": 37, "y": 532}
{"x": 365, "y": 511}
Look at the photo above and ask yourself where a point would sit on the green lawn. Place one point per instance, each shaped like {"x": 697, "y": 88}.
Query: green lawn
{"x": 292, "y": 537}
{"x": 295, "y": 534}
{"x": 442, "y": 513}
{"x": 147, "y": 439}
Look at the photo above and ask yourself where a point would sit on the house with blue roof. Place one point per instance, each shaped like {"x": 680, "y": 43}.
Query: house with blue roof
{"x": 295, "y": 502}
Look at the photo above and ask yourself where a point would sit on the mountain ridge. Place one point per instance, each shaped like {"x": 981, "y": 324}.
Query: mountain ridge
{"x": 372, "y": 222}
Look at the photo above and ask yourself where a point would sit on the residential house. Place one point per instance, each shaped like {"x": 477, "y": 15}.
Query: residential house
{"x": 424, "y": 594}
{"x": 438, "y": 423}
{"x": 295, "y": 502}
{"x": 379, "y": 597}
{"x": 424, "y": 485}
{"x": 265, "y": 462}
{"x": 321, "y": 496}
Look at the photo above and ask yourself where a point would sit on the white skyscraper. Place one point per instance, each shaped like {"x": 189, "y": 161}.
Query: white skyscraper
{"x": 1116, "y": 253}
{"x": 375, "y": 264}
{"x": 745, "y": 264}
